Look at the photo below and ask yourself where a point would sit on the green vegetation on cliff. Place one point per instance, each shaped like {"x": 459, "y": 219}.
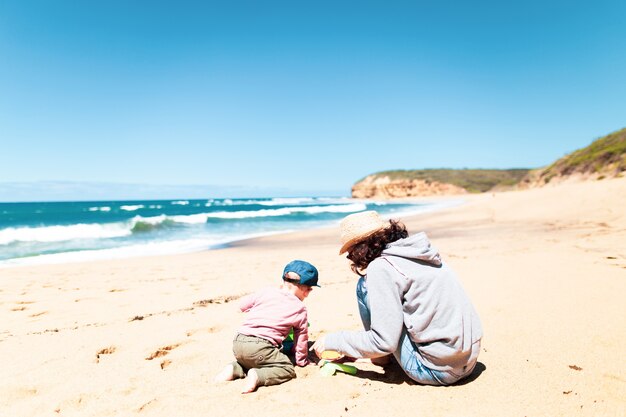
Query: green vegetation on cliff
{"x": 606, "y": 155}
{"x": 473, "y": 180}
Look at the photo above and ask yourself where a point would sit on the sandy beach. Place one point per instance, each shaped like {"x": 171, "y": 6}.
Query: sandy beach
{"x": 545, "y": 269}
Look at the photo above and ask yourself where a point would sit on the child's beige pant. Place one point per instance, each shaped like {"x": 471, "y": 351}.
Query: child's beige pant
{"x": 272, "y": 366}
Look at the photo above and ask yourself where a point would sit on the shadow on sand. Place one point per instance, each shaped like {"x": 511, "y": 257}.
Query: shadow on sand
{"x": 394, "y": 374}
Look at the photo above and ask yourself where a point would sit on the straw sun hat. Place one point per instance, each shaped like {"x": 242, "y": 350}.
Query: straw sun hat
{"x": 359, "y": 226}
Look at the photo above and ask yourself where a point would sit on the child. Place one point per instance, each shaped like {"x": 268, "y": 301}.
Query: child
{"x": 271, "y": 314}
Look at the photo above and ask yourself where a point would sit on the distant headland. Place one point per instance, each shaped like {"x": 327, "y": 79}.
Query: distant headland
{"x": 604, "y": 158}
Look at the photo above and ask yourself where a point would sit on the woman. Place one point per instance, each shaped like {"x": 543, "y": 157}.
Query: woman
{"x": 411, "y": 304}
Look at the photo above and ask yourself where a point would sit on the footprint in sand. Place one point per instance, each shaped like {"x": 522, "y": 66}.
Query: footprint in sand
{"x": 216, "y": 300}
{"x": 38, "y": 314}
{"x": 106, "y": 351}
{"x": 162, "y": 351}
{"x": 22, "y": 305}
{"x": 211, "y": 329}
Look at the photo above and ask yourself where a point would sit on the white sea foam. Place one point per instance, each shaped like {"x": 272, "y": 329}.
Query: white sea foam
{"x": 193, "y": 237}
{"x": 337, "y": 208}
{"x": 186, "y": 219}
{"x": 180, "y": 203}
{"x": 132, "y": 207}
{"x": 105, "y": 208}
{"x": 286, "y": 201}
{"x": 150, "y": 220}
{"x": 148, "y": 249}
{"x": 229, "y": 202}
{"x": 62, "y": 233}
{"x": 249, "y": 214}
{"x": 190, "y": 218}
{"x": 131, "y": 251}
{"x": 285, "y": 211}
{"x": 88, "y": 231}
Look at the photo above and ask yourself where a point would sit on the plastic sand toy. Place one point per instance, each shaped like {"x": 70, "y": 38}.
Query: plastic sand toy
{"x": 330, "y": 368}
{"x": 331, "y": 355}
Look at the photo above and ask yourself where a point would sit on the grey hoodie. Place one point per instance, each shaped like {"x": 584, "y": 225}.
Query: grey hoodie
{"x": 410, "y": 287}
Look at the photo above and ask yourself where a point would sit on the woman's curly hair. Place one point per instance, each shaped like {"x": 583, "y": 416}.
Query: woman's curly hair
{"x": 364, "y": 252}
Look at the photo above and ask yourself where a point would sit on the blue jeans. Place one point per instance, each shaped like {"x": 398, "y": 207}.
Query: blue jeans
{"x": 406, "y": 354}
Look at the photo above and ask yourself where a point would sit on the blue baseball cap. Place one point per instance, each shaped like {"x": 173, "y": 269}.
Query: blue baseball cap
{"x": 307, "y": 272}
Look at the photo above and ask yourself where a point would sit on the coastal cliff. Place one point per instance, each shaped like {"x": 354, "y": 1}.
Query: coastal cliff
{"x": 603, "y": 158}
{"x": 374, "y": 186}
{"x": 428, "y": 182}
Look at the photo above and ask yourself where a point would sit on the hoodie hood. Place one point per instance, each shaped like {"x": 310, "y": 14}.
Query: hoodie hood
{"x": 416, "y": 247}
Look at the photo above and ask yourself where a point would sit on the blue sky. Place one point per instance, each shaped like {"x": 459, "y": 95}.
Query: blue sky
{"x": 308, "y": 97}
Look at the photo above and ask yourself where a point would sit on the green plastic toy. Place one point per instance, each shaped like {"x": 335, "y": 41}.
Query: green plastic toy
{"x": 288, "y": 342}
{"x": 330, "y": 368}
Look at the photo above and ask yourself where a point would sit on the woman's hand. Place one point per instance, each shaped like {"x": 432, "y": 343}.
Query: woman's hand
{"x": 319, "y": 346}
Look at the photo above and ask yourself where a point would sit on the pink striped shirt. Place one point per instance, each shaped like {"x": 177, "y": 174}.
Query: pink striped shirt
{"x": 271, "y": 313}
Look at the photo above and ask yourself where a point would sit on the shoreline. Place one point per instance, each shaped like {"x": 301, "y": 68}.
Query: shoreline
{"x": 167, "y": 248}
{"x": 544, "y": 268}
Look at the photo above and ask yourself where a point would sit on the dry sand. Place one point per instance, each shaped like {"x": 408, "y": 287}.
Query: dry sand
{"x": 545, "y": 268}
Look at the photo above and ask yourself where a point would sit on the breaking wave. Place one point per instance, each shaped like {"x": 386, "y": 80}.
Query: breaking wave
{"x": 285, "y": 211}
{"x": 62, "y": 233}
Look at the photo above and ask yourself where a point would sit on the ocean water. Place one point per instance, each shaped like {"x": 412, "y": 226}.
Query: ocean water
{"x": 59, "y": 232}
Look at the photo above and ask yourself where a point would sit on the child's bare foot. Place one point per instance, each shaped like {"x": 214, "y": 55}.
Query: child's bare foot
{"x": 251, "y": 381}
{"x": 227, "y": 374}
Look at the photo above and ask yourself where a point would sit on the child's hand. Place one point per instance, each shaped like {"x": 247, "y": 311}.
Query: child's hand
{"x": 319, "y": 346}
